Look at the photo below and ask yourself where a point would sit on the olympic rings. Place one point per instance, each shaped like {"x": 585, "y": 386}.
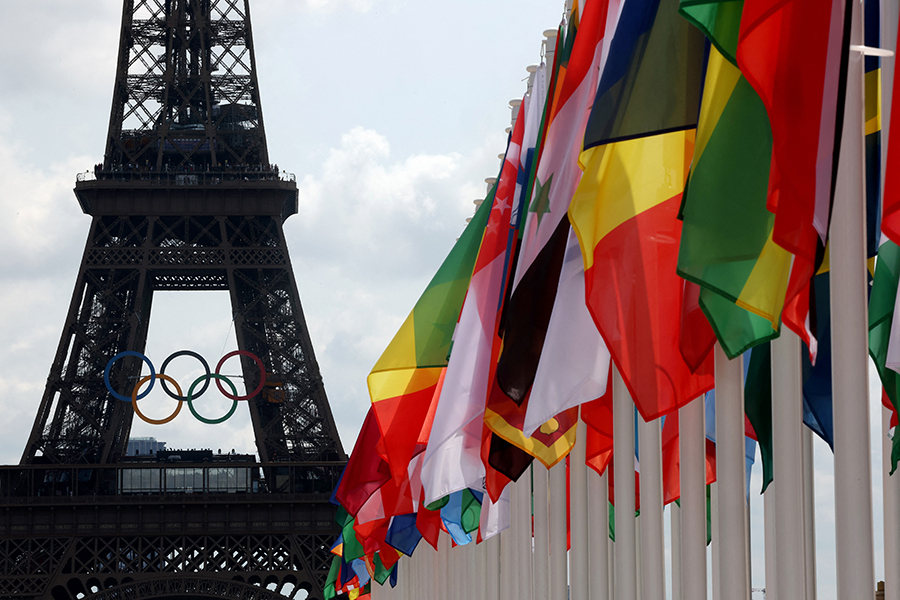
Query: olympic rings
{"x": 134, "y": 399}
{"x": 203, "y": 362}
{"x": 117, "y": 357}
{"x": 136, "y": 395}
{"x": 190, "y": 398}
{"x": 262, "y": 375}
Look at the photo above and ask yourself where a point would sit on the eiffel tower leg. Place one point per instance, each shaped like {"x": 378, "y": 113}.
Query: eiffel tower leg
{"x": 78, "y": 420}
{"x": 292, "y": 419}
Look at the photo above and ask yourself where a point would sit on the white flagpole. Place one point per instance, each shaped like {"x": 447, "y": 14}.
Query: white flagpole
{"x": 653, "y": 563}
{"x": 578, "y": 506}
{"x": 769, "y": 507}
{"x": 510, "y": 546}
{"x": 715, "y": 543}
{"x": 504, "y": 564}
{"x": 623, "y": 460}
{"x": 437, "y": 591}
{"x": 852, "y": 468}
{"x": 891, "y": 495}
{"x": 493, "y": 575}
{"x": 444, "y": 572}
{"x": 524, "y": 569}
{"x": 809, "y": 512}
{"x": 675, "y": 518}
{"x": 787, "y": 420}
{"x": 598, "y": 536}
{"x": 731, "y": 466}
{"x": 558, "y": 534}
{"x": 541, "y": 535}
{"x": 692, "y": 442}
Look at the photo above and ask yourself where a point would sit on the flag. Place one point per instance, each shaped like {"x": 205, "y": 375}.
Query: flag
{"x": 403, "y": 383}
{"x": 503, "y": 462}
{"x": 366, "y": 470}
{"x": 758, "y": 404}
{"x": 638, "y": 145}
{"x": 453, "y": 456}
{"x": 598, "y": 419}
{"x": 726, "y": 241}
{"x": 790, "y": 51}
{"x": 545, "y": 230}
{"x": 872, "y": 65}
{"x": 574, "y": 365}
{"x": 817, "y": 391}
{"x": 540, "y": 258}
{"x": 882, "y": 323}
{"x": 891, "y": 218}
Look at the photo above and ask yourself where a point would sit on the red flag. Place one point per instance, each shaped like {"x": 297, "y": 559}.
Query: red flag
{"x": 366, "y": 471}
{"x": 790, "y": 52}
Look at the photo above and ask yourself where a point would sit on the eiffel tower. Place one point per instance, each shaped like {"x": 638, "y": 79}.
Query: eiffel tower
{"x": 186, "y": 198}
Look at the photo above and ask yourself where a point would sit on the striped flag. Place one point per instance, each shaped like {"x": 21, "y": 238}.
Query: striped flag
{"x": 638, "y": 146}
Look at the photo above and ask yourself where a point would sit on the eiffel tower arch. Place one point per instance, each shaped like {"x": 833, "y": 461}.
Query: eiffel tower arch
{"x": 186, "y": 198}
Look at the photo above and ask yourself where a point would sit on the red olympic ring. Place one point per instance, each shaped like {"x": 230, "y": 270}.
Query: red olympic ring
{"x": 262, "y": 375}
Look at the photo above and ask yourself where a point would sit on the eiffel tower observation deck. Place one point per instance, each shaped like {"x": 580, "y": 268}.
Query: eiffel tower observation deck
{"x": 186, "y": 198}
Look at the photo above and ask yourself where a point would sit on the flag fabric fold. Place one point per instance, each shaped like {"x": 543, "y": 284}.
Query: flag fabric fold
{"x": 638, "y": 146}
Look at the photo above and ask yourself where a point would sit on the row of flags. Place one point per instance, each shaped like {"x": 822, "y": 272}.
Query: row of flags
{"x": 666, "y": 186}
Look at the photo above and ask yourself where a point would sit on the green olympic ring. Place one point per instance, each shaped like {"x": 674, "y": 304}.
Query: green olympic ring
{"x": 190, "y": 400}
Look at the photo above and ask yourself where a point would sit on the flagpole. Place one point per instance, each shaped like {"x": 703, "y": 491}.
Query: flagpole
{"x": 891, "y": 500}
{"x": 558, "y": 534}
{"x": 731, "y": 465}
{"x": 506, "y": 558}
{"x": 787, "y": 420}
{"x": 715, "y": 544}
{"x": 492, "y": 570}
{"x": 443, "y": 572}
{"x": 675, "y": 521}
{"x": 541, "y": 535}
{"x": 578, "y": 556}
{"x": 510, "y": 546}
{"x": 653, "y": 564}
{"x": 598, "y": 536}
{"x": 692, "y": 442}
{"x": 524, "y": 570}
{"x": 852, "y": 468}
{"x": 623, "y": 463}
{"x": 770, "y": 535}
{"x": 809, "y": 512}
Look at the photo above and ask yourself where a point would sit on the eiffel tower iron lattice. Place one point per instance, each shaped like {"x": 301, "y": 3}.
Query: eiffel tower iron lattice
{"x": 185, "y": 199}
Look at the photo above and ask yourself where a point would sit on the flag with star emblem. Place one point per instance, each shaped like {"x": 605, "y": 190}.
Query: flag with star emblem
{"x": 638, "y": 147}
{"x": 453, "y": 456}
{"x": 404, "y": 382}
{"x": 546, "y": 226}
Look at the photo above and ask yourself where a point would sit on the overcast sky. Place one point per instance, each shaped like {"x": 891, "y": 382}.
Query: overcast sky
{"x": 390, "y": 113}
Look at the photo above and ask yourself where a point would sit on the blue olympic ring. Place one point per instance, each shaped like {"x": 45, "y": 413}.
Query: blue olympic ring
{"x": 117, "y": 357}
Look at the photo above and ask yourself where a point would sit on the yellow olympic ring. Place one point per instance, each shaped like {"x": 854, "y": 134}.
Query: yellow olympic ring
{"x": 137, "y": 388}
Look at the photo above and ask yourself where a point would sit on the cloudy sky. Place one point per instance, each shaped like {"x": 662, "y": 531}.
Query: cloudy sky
{"x": 390, "y": 113}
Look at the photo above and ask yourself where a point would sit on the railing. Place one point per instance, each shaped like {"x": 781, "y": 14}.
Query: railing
{"x": 25, "y": 483}
{"x": 186, "y": 177}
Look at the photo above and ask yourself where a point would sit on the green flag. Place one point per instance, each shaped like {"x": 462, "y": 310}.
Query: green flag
{"x": 726, "y": 242}
{"x": 758, "y": 405}
{"x": 881, "y": 315}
